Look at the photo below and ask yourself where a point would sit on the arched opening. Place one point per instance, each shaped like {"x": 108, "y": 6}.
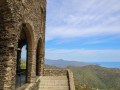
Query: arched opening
{"x": 39, "y": 58}
{"x": 20, "y": 72}
{"x": 25, "y": 74}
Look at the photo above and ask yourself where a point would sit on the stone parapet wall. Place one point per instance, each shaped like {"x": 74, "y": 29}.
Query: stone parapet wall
{"x": 55, "y": 72}
{"x": 70, "y": 79}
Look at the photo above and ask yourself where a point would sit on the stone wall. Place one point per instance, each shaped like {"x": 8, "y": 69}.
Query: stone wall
{"x": 55, "y": 72}
{"x": 8, "y": 44}
{"x": 13, "y": 15}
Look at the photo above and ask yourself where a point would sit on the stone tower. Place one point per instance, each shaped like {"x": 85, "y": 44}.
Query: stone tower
{"x": 22, "y": 22}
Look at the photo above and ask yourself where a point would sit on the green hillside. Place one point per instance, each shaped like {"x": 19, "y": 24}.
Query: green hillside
{"x": 96, "y": 77}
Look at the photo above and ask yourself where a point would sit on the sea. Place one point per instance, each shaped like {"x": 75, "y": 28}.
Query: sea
{"x": 109, "y": 64}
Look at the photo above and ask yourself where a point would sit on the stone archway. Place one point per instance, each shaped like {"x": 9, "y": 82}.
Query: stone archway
{"x": 40, "y": 58}
{"x": 26, "y": 38}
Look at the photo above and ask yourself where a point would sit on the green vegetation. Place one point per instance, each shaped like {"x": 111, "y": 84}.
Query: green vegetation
{"x": 23, "y": 64}
{"x": 93, "y": 76}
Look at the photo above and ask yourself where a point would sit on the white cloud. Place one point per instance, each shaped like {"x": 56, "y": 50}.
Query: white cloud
{"x": 78, "y": 18}
{"x": 84, "y": 55}
{"x": 66, "y": 32}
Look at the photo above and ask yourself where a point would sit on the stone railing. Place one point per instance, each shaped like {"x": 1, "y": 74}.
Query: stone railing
{"x": 55, "y": 72}
{"x": 70, "y": 79}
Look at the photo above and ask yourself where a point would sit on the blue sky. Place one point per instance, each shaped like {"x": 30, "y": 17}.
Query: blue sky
{"x": 83, "y": 30}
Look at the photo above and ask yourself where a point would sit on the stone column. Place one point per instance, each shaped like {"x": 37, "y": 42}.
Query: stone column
{"x": 31, "y": 66}
{"x": 40, "y": 64}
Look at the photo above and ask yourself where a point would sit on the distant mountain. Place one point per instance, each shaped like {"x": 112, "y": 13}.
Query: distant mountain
{"x": 65, "y": 63}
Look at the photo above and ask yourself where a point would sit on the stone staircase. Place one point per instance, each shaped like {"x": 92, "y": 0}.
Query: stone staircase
{"x": 53, "y": 79}
{"x": 53, "y": 83}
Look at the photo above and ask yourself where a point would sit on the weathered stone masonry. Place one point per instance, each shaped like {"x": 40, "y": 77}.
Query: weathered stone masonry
{"x": 16, "y": 17}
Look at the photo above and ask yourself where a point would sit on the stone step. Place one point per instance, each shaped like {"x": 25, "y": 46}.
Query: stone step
{"x": 54, "y": 88}
{"x": 54, "y": 78}
{"x": 53, "y": 83}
